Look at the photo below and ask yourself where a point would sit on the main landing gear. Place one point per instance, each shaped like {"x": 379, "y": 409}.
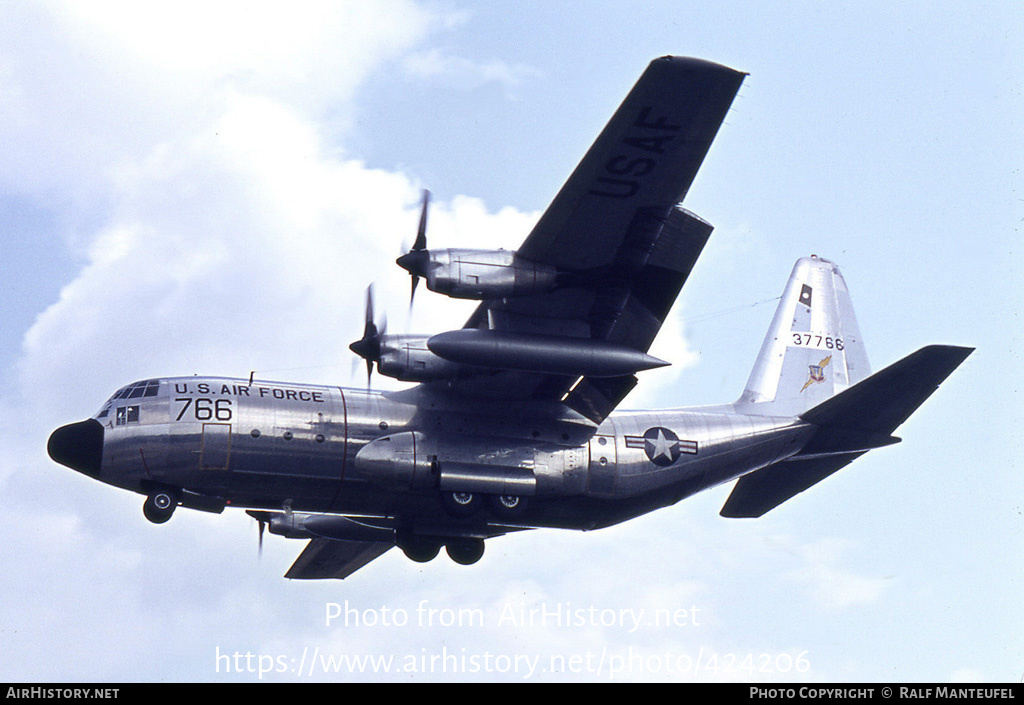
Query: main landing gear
{"x": 466, "y": 504}
{"x": 465, "y": 551}
{"x": 421, "y": 549}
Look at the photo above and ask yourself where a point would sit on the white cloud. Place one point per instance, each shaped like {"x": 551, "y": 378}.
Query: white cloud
{"x": 233, "y": 236}
{"x": 244, "y": 247}
{"x": 464, "y": 74}
{"x": 306, "y": 53}
{"x": 88, "y": 87}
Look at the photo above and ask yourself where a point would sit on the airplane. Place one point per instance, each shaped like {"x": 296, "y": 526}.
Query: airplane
{"x": 511, "y": 422}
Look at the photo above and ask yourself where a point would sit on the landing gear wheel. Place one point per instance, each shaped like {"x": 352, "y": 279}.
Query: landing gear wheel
{"x": 420, "y": 549}
{"x": 465, "y": 552}
{"x": 506, "y": 506}
{"x": 160, "y": 505}
{"x": 460, "y": 504}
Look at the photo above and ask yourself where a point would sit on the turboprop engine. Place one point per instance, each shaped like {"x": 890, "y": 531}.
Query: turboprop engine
{"x": 472, "y": 274}
{"x": 303, "y": 525}
{"x": 478, "y": 274}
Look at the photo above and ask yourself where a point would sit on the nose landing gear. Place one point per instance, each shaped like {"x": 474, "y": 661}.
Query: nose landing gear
{"x": 160, "y": 505}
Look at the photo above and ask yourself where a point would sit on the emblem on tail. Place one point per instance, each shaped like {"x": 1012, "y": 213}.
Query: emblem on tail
{"x": 817, "y": 373}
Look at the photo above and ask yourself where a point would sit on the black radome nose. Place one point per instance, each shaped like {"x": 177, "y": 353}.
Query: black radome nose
{"x": 79, "y": 446}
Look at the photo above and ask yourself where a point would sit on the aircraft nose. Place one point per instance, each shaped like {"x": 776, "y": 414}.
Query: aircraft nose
{"x": 79, "y": 446}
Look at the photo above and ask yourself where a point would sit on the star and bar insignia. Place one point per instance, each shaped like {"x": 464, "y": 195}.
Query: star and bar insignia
{"x": 662, "y": 446}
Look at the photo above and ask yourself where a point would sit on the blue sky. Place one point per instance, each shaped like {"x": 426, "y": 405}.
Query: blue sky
{"x": 181, "y": 196}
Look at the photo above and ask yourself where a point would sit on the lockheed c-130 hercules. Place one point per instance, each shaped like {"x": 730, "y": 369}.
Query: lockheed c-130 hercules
{"x": 510, "y": 424}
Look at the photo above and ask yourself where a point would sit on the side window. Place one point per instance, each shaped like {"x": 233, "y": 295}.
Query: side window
{"x": 126, "y": 415}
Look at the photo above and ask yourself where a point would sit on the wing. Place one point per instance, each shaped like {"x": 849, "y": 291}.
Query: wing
{"x": 615, "y": 233}
{"x": 325, "y": 558}
{"x": 646, "y": 157}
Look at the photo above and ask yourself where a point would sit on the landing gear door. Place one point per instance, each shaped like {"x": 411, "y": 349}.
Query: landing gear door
{"x": 603, "y": 466}
{"x": 216, "y": 446}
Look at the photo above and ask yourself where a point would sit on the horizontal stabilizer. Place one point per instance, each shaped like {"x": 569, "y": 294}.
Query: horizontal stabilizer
{"x": 883, "y": 401}
{"x": 850, "y": 423}
{"x": 324, "y": 558}
{"x": 757, "y": 493}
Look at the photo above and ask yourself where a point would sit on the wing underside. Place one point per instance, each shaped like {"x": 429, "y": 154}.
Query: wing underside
{"x": 621, "y": 243}
{"x": 326, "y": 558}
{"x": 646, "y": 157}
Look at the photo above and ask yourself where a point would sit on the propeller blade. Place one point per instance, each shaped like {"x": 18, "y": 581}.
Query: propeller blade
{"x": 368, "y": 347}
{"x": 421, "y": 232}
{"x": 369, "y": 327}
{"x": 262, "y": 519}
{"x": 415, "y": 261}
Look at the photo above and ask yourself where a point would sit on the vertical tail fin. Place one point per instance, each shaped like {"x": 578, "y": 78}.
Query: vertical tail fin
{"x": 813, "y": 349}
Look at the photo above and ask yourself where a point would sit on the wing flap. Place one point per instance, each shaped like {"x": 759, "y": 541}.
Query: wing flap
{"x": 596, "y": 398}
{"x": 325, "y": 558}
{"x": 655, "y": 282}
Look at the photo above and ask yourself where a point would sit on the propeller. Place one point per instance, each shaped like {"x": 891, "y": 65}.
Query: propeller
{"x": 368, "y": 347}
{"x": 415, "y": 261}
{"x": 262, "y": 519}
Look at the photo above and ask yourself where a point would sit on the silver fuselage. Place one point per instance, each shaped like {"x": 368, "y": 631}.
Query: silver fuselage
{"x": 273, "y": 445}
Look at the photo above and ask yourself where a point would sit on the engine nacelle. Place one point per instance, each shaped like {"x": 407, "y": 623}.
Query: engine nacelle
{"x": 486, "y": 274}
{"x": 302, "y": 525}
{"x": 407, "y": 358}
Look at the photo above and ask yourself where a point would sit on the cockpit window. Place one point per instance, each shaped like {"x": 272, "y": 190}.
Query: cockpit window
{"x": 145, "y": 388}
